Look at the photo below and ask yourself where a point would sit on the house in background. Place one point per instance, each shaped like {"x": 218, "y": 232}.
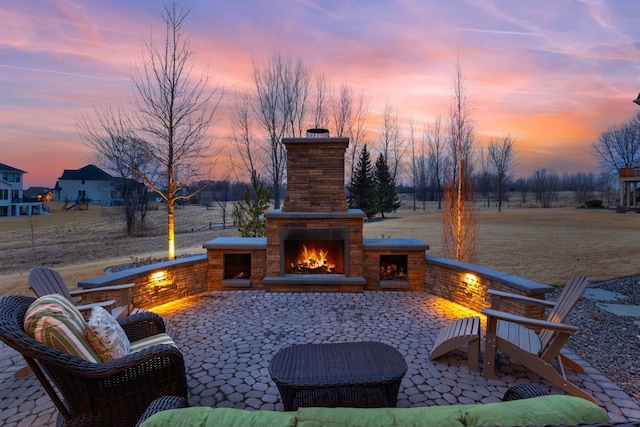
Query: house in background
{"x": 87, "y": 184}
{"x": 91, "y": 184}
{"x": 40, "y": 194}
{"x": 12, "y": 199}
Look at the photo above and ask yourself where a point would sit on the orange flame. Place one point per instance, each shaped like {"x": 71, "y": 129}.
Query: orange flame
{"x": 314, "y": 258}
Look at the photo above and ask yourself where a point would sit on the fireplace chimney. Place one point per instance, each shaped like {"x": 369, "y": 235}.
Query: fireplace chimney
{"x": 315, "y": 173}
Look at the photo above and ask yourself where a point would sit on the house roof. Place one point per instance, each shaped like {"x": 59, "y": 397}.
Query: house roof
{"x": 7, "y": 168}
{"x": 89, "y": 173}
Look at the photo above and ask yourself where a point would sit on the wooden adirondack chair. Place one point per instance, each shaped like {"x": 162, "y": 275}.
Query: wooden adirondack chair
{"x": 516, "y": 336}
{"x": 44, "y": 281}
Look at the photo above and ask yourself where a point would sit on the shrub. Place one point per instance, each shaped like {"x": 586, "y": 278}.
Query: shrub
{"x": 594, "y": 203}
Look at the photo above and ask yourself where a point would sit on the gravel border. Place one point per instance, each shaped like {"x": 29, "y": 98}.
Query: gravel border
{"x": 610, "y": 343}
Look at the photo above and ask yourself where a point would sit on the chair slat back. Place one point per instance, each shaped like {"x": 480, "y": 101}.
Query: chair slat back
{"x": 44, "y": 281}
{"x": 569, "y": 297}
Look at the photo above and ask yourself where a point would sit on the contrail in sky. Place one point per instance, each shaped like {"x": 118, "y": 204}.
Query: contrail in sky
{"x": 64, "y": 73}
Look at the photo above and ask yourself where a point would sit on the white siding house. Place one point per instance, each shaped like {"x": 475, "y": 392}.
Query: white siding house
{"x": 12, "y": 201}
{"x": 89, "y": 184}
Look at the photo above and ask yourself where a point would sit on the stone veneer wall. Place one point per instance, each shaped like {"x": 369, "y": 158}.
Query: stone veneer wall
{"x": 275, "y": 223}
{"x": 467, "y": 285}
{"x": 158, "y": 283}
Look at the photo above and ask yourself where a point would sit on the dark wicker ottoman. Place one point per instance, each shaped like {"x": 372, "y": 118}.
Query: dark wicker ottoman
{"x": 354, "y": 374}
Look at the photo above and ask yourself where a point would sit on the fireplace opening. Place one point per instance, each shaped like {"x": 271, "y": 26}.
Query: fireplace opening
{"x": 314, "y": 257}
{"x": 237, "y": 266}
{"x": 394, "y": 267}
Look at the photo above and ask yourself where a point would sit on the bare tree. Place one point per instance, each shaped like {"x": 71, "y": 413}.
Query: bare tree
{"x": 523, "y": 185}
{"x": 619, "y": 146}
{"x": 282, "y": 88}
{"x": 545, "y": 186}
{"x": 391, "y": 143}
{"x": 484, "y": 178}
{"x": 502, "y": 158}
{"x": 321, "y": 105}
{"x": 357, "y": 132}
{"x": 606, "y": 186}
{"x": 437, "y": 159}
{"x": 222, "y": 197}
{"x": 175, "y": 113}
{"x": 459, "y": 219}
{"x": 243, "y": 137}
{"x": 417, "y": 161}
{"x": 120, "y": 152}
{"x": 584, "y": 187}
{"x": 342, "y": 111}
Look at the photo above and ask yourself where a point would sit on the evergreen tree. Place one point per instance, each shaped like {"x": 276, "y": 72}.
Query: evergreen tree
{"x": 385, "y": 187}
{"x": 362, "y": 191}
{"x": 249, "y": 212}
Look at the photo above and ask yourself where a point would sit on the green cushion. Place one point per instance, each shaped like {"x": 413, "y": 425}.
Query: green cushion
{"x": 54, "y": 321}
{"x": 433, "y": 416}
{"x": 553, "y": 409}
{"x": 151, "y": 341}
{"x": 228, "y": 417}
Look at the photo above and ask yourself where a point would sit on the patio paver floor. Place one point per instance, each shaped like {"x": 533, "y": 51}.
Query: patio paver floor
{"x": 228, "y": 339}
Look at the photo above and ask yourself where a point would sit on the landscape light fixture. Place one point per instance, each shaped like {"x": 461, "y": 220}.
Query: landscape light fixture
{"x": 637, "y": 100}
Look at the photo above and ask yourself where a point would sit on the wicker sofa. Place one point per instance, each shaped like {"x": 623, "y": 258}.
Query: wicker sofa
{"x": 171, "y": 411}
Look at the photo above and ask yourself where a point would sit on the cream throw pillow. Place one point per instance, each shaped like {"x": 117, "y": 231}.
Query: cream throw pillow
{"x": 106, "y": 336}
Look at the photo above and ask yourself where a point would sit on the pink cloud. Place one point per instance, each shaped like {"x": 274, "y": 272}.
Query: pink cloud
{"x": 554, "y": 78}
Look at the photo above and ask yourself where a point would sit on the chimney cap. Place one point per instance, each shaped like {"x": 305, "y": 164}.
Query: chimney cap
{"x": 317, "y": 133}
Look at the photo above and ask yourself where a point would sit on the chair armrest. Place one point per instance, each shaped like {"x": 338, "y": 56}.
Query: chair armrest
{"x": 81, "y": 292}
{"x": 142, "y": 325}
{"x": 107, "y": 305}
{"x": 163, "y": 403}
{"x": 527, "y": 321}
{"x": 498, "y": 295}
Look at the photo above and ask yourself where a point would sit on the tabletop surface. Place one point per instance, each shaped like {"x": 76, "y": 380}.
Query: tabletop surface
{"x": 335, "y": 364}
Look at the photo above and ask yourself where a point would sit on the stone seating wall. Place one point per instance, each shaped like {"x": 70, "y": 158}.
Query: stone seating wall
{"x": 462, "y": 283}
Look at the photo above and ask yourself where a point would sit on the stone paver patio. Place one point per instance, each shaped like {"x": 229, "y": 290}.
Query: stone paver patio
{"x": 228, "y": 339}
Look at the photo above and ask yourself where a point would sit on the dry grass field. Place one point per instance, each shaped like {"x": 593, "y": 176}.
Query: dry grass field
{"x": 546, "y": 245}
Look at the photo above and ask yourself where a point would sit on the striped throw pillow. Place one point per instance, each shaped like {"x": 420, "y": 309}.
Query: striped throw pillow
{"x": 54, "y": 321}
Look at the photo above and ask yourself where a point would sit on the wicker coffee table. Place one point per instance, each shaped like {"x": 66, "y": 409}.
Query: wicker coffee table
{"x": 354, "y": 374}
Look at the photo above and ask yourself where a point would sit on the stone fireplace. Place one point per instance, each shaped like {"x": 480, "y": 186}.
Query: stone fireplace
{"x": 315, "y": 218}
{"x": 315, "y": 243}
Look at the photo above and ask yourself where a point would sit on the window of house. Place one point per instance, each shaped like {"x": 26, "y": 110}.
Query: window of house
{"x": 4, "y": 194}
{"x": 83, "y": 182}
{"x": 10, "y": 177}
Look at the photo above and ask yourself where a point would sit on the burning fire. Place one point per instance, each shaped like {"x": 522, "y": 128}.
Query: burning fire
{"x": 311, "y": 259}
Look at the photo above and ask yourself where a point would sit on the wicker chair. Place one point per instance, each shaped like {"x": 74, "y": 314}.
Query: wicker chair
{"x": 98, "y": 394}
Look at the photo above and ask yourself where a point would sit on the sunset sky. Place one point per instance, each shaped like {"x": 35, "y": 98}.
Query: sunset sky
{"x": 551, "y": 74}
